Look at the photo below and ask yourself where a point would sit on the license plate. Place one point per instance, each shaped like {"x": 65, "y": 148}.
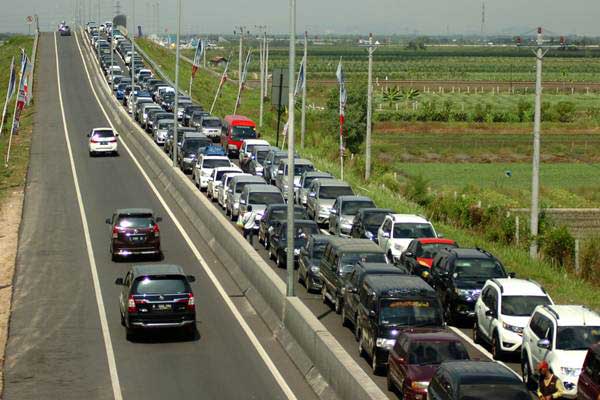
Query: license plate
{"x": 103, "y": 143}
{"x": 163, "y": 307}
{"x": 137, "y": 238}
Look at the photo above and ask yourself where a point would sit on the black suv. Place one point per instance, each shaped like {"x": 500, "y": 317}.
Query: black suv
{"x": 157, "y": 296}
{"x": 476, "y": 380}
{"x": 367, "y": 222}
{"x": 341, "y": 255}
{"x": 274, "y": 214}
{"x": 388, "y": 304}
{"x": 309, "y": 261}
{"x": 355, "y": 280}
{"x": 458, "y": 275}
{"x": 303, "y": 229}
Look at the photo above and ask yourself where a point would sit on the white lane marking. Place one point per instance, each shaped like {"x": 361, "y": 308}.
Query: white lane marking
{"x": 481, "y": 349}
{"x": 110, "y": 355}
{"x": 253, "y": 339}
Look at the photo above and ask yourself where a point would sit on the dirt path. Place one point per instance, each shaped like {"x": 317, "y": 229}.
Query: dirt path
{"x": 10, "y": 220}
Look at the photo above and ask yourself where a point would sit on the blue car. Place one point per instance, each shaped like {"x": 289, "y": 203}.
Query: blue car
{"x": 213, "y": 150}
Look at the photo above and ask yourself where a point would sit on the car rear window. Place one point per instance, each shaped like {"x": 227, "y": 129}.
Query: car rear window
{"x": 353, "y": 258}
{"x": 243, "y": 132}
{"x": 429, "y": 250}
{"x": 413, "y": 230}
{"x": 265, "y": 198}
{"x": 215, "y": 163}
{"x": 493, "y": 391}
{"x": 332, "y": 192}
{"x": 434, "y": 352}
{"x": 104, "y": 134}
{"x": 352, "y": 207}
{"x": 136, "y": 221}
{"x": 211, "y": 123}
{"x": 164, "y": 284}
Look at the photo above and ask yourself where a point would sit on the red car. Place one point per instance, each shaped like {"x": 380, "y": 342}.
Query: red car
{"x": 134, "y": 231}
{"x": 588, "y": 387}
{"x": 415, "y": 358}
{"x": 420, "y": 253}
{"x": 236, "y": 128}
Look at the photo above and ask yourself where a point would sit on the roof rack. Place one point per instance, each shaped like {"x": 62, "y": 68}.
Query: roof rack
{"x": 551, "y": 311}
{"x": 497, "y": 282}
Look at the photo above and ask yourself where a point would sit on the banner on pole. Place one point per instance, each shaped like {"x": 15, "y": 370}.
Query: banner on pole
{"x": 301, "y": 79}
{"x": 197, "y": 57}
{"x": 23, "y": 92}
{"x": 12, "y": 80}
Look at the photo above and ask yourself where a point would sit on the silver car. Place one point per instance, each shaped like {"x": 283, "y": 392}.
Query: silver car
{"x": 234, "y": 191}
{"x": 222, "y": 192}
{"x": 301, "y": 195}
{"x": 161, "y": 130}
{"x": 212, "y": 190}
{"x": 259, "y": 196}
{"x": 281, "y": 179}
{"x": 321, "y": 196}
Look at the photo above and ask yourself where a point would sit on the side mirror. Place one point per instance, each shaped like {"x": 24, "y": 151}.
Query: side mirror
{"x": 229, "y": 190}
{"x": 543, "y": 344}
{"x": 490, "y": 313}
{"x": 372, "y": 314}
{"x": 333, "y": 212}
{"x": 242, "y": 201}
{"x": 191, "y": 278}
{"x": 119, "y": 282}
{"x": 386, "y": 235}
{"x": 279, "y": 172}
{"x": 409, "y": 254}
{"x": 158, "y": 219}
{"x": 312, "y": 195}
{"x": 108, "y": 221}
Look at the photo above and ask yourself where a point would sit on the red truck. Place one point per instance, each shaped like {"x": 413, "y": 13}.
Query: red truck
{"x": 236, "y": 128}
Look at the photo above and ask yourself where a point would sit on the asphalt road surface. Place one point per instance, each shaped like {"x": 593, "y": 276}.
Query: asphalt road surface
{"x": 56, "y": 347}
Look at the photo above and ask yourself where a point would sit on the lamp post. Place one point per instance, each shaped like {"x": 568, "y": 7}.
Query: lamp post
{"x": 176, "y": 104}
{"x": 290, "y": 189}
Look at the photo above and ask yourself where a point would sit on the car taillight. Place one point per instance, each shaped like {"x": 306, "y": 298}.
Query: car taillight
{"x": 131, "y": 305}
{"x": 113, "y": 140}
{"x": 156, "y": 231}
{"x": 115, "y": 233}
{"x": 94, "y": 141}
{"x": 191, "y": 304}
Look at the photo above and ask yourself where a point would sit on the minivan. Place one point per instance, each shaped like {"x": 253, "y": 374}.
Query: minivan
{"x": 235, "y": 129}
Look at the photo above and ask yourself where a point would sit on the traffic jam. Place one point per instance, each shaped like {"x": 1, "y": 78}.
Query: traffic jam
{"x": 397, "y": 283}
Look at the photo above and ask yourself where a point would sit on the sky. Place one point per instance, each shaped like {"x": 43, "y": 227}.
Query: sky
{"x": 385, "y": 17}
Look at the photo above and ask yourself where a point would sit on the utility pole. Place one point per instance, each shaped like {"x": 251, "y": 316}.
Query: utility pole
{"x": 540, "y": 50}
{"x": 132, "y": 62}
{"x": 262, "y": 29}
{"x": 176, "y": 105}
{"x": 303, "y": 115}
{"x": 371, "y": 47}
{"x": 290, "y": 195}
{"x": 242, "y": 30}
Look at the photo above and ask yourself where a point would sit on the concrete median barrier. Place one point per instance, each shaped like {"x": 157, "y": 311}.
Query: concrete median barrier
{"x": 326, "y": 365}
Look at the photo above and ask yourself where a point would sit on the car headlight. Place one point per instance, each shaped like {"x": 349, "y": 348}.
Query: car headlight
{"x": 465, "y": 293}
{"x": 386, "y": 344}
{"x": 285, "y": 187}
{"x": 188, "y": 159}
{"x": 296, "y": 252}
{"x": 573, "y": 372}
{"x": 314, "y": 269}
{"x": 512, "y": 328}
{"x": 421, "y": 385}
{"x": 346, "y": 221}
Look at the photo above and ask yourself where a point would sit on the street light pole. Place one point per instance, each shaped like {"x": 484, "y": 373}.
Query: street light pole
{"x": 290, "y": 192}
{"x": 131, "y": 61}
{"x": 176, "y": 104}
{"x": 535, "y": 176}
{"x": 371, "y": 49}
{"x": 303, "y": 115}
{"x": 241, "y": 56}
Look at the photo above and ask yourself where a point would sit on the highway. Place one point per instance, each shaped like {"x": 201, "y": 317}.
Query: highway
{"x": 66, "y": 340}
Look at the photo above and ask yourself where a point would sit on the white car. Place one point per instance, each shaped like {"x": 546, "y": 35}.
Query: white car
{"x": 113, "y": 71}
{"x": 215, "y": 180}
{"x": 248, "y": 145}
{"x": 561, "y": 336}
{"x": 398, "y": 230}
{"x": 503, "y": 310}
{"x": 222, "y": 188}
{"x": 204, "y": 168}
{"x": 142, "y": 72}
{"x": 103, "y": 140}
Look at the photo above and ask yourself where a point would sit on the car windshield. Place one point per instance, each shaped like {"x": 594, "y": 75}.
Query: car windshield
{"x": 413, "y": 230}
{"x": 332, "y": 192}
{"x": 522, "y": 306}
{"x": 103, "y": 134}
{"x": 493, "y": 391}
{"x": 478, "y": 268}
{"x": 308, "y": 180}
{"x": 215, "y": 163}
{"x": 349, "y": 259}
{"x": 435, "y": 352}
{"x": 300, "y": 169}
{"x": 301, "y": 231}
{"x": 265, "y": 198}
{"x": 136, "y": 221}
{"x": 261, "y": 155}
{"x": 577, "y": 337}
{"x": 351, "y": 207}
{"x": 429, "y": 250}
{"x": 280, "y": 214}
{"x": 193, "y": 145}
{"x": 410, "y": 312}
{"x": 165, "y": 125}
{"x": 161, "y": 285}
{"x": 374, "y": 220}
{"x": 243, "y": 132}
{"x": 318, "y": 250}
{"x": 221, "y": 173}
{"x": 211, "y": 123}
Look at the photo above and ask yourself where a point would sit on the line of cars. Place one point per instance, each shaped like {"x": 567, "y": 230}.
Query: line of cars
{"x": 152, "y": 296}
{"x": 395, "y": 281}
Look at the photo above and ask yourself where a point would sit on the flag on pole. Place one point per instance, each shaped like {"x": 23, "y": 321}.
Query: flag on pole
{"x": 300, "y": 82}
{"x": 197, "y": 57}
{"x": 343, "y": 96}
{"x": 246, "y": 64}
{"x": 12, "y": 80}
{"x": 22, "y": 96}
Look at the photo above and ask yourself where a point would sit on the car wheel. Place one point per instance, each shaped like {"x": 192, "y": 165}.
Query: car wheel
{"x": 356, "y": 329}
{"x": 476, "y": 333}
{"x": 375, "y": 364}
{"x": 448, "y": 314}
{"x": 389, "y": 257}
{"x": 122, "y": 319}
{"x": 190, "y": 331}
{"x": 129, "y": 334}
{"x": 310, "y": 286}
{"x": 361, "y": 348}
{"x": 271, "y": 256}
{"x": 345, "y": 320}
{"x": 301, "y": 279}
{"x": 390, "y": 383}
{"x": 91, "y": 153}
{"x": 496, "y": 349}
{"x": 280, "y": 262}
{"x": 526, "y": 373}
{"x": 337, "y": 306}
{"x": 324, "y": 294}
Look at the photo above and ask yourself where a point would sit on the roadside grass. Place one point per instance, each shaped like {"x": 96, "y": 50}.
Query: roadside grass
{"x": 14, "y": 176}
{"x": 383, "y": 188}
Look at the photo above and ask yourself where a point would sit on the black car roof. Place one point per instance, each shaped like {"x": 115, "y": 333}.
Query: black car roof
{"x": 380, "y": 268}
{"x": 355, "y": 198}
{"x": 301, "y": 222}
{"x": 282, "y": 205}
{"x": 320, "y": 238}
{"x": 130, "y": 211}
{"x": 478, "y": 372}
{"x": 156, "y": 269}
{"x": 375, "y": 210}
{"x": 400, "y": 284}
{"x": 355, "y": 245}
{"x": 468, "y": 253}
